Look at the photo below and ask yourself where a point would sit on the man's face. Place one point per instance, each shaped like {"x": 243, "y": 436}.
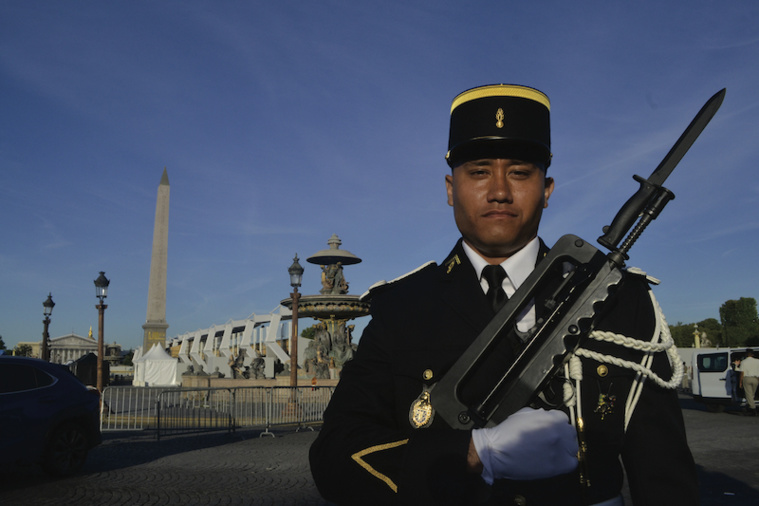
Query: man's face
{"x": 497, "y": 204}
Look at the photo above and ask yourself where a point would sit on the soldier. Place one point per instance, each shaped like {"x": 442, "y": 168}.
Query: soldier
{"x": 381, "y": 443}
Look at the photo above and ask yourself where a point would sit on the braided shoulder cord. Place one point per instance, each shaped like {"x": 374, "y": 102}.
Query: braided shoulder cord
{"x": 661, "y": 340}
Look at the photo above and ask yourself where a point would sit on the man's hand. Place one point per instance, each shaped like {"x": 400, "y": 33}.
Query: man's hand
{"x": 531, "y": 444}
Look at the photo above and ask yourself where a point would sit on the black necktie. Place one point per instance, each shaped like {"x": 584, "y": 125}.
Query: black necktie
{"x": 494, "y": 274}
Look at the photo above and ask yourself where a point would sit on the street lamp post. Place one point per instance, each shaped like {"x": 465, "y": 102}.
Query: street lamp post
{"x": 101, "y": 292}
{"x": 47, "y": 311}
{"x": 296, "y": 275}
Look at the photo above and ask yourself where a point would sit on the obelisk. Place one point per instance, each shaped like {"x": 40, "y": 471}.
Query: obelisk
{"x": 155, "y": 323}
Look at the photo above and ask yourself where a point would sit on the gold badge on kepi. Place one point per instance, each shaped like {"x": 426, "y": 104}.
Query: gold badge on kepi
{"x": 499, "y": 118}
{"x": 421, "y": 414}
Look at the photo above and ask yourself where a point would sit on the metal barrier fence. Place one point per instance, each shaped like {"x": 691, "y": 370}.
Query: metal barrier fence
{"x": 129, "y": 408}
{"x": 175, "y": 410}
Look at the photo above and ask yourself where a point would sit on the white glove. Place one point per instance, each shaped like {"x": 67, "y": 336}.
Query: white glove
{"x": 531, "y": 444}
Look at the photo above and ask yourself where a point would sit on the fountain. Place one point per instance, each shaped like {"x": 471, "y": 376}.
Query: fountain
{"x": 332, "y": 345}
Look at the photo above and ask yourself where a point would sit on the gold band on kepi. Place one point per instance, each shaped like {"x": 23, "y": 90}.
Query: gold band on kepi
{"x": 500, "y": 121}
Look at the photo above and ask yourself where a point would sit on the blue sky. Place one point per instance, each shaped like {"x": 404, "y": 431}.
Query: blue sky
{"x": 282, "y": 123}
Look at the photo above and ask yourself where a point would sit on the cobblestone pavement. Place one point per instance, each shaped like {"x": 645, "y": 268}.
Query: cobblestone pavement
{"x": 133, "y": 469}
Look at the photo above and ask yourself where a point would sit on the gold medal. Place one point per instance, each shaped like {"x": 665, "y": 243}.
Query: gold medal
{"x": 421, "y": 413}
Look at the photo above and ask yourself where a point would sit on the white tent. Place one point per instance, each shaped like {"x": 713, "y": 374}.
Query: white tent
{"x": 155, "y": 368}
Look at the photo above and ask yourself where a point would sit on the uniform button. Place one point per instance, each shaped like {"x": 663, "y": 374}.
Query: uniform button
{"x": 602, "y": 370}
{"x": 427, "y": 374}
{"x": 520, "y": 500}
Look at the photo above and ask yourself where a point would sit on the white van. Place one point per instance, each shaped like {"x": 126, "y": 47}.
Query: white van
{"x": 709, "y": 370}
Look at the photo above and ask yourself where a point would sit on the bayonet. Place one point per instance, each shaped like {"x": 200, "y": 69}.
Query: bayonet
{"x": 651, "y": 188}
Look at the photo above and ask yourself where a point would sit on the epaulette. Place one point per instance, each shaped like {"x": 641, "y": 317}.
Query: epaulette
{"x": 640, "y": 272}
{"x": 381, "y": 285}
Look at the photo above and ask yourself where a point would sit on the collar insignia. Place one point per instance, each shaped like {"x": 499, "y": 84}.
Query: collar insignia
{"x": 453, "y": 262}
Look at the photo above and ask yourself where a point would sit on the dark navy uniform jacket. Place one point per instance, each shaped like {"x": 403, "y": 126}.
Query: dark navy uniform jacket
{"x": 368, "y": 452}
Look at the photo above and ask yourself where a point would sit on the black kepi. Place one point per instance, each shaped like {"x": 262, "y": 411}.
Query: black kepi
{"x": 500, "y": 121}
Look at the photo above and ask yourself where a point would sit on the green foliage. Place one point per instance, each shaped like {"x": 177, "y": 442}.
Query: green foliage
{"x": 308, "y": 332}
{"x": 740, "y": 321}
{"x": 739, "y": 326}
{"x": 684, "y": 333}
{"x": 713, "y": 330}
{"x": 127, "y": 359}
{"x": 23, "y": 350}
{"x": 2, "y": 344}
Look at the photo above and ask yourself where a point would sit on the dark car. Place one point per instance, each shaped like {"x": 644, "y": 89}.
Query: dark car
{"x": 47, "y": 416}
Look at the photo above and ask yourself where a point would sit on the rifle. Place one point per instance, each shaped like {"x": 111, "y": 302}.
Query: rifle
{"x": 575, "y": 299}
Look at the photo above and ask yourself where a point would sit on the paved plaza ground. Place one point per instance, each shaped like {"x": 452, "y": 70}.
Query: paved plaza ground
{"x": 240, "y": 468}
{"x": 215, "y": 469}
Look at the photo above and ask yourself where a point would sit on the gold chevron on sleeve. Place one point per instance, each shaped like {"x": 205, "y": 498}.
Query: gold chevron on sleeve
{"x": 359, "y": 458}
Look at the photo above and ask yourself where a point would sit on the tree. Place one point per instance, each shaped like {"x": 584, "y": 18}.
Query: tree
{"x": 713, "y": 330}
{"x": 682, "y": 334}
{"x": 308, "y": 332}
{"x": 2, "y": 344}
{"x": 127, "y": 358}
{"x": 709, "y": 330}
{"x": 740, "y": 321}
{"x": 23, "y": 350}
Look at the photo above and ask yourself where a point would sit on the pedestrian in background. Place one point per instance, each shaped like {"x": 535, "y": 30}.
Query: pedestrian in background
{"x": 749, "y": 381}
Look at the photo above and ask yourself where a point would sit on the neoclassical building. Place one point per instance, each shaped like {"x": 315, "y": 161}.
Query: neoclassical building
{"x": 71, "y": 347}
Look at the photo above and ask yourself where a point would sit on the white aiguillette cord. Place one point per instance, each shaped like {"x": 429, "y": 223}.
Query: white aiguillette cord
{"x": 661, "y": 340}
